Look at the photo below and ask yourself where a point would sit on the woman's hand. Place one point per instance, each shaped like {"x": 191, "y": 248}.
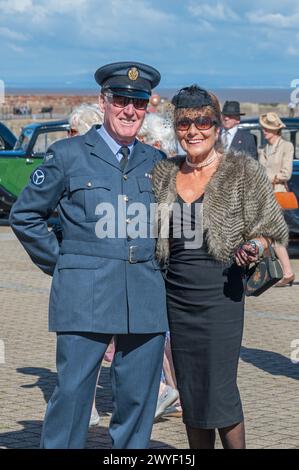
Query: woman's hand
{"x": 246, "y": 254}
{"x": 276, "y": 180}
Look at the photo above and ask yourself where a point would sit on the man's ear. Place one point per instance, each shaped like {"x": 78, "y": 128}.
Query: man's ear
{"x": 102, "y": 103}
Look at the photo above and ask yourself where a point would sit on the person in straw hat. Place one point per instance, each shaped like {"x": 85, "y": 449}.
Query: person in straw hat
{"x": 277, "y": 158}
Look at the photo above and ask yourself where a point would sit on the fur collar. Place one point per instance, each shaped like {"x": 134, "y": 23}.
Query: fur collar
{"x": 237, "y": 204}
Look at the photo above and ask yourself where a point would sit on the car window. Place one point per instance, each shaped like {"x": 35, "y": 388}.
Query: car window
{"x": 258, "y": 135}
{"x": 2, "y": 144}
{"x": 24, "y": 139}
{"x": 286, "y": 134}
{"x": 45, "y": 139}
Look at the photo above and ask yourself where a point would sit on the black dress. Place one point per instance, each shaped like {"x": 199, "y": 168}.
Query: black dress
{"x": 205, "y": 301}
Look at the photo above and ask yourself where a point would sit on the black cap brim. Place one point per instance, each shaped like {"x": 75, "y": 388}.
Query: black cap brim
{"x": 130, "y": 93}
{"x": 233, "y": 114}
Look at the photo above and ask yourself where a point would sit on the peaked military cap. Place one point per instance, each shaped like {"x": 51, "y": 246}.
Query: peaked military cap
{"x": 132, "y": 79}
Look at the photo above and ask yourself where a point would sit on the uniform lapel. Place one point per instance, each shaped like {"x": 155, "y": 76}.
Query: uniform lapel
{"x": 99, "y": 148}
{"x": 138, "y": 156}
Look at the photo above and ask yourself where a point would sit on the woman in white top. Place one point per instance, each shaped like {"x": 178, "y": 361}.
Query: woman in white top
{"x": 277, "y": 158}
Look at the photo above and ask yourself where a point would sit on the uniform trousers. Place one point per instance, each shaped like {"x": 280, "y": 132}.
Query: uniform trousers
{"x": 135, "y": 378}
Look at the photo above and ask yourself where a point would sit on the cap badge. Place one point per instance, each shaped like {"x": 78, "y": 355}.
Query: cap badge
{"x": 133, "y": 73}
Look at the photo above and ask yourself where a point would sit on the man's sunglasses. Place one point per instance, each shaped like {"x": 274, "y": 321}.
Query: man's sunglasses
{"x": 123, "y": 101}
{"x": 202, "y": 123}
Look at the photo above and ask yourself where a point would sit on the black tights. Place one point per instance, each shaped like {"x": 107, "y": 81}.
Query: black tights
{"x": 232, "y": 437}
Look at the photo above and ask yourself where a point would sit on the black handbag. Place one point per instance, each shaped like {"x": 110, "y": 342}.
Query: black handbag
{"x": 263, "y": 275}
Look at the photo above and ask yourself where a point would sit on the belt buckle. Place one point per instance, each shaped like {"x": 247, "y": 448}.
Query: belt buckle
{"x": 131, "y": 259}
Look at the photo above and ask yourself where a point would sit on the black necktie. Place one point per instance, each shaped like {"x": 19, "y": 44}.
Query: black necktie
{"x": 124, "y": 150}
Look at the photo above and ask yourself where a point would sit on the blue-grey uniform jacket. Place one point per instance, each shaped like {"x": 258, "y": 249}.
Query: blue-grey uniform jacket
{"x": 105, "y": 285}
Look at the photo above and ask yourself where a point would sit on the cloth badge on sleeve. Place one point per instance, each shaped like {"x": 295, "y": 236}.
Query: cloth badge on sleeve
{"x": 38, "y": 177}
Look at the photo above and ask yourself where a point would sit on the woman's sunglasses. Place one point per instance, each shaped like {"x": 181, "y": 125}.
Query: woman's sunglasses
{"x": 123, "y": 101}
{"x": 202, "y": 123}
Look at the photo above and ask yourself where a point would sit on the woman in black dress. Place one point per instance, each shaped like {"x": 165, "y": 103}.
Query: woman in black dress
{"x": 222, "y": 217}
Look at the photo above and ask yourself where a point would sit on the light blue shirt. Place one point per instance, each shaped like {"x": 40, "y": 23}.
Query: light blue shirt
{"x": 113, "y": 145}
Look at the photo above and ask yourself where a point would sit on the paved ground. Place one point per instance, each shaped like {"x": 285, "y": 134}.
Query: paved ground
{"x": 268, "y": 380}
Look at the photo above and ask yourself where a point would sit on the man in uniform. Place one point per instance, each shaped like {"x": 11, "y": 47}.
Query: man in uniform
{"x": 232, "y": 137}
{"x": 103, "y": 286}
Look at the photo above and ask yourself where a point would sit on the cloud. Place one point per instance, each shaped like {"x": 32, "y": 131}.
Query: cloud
{"x": 205, "y": 26}
{"x": 86, "y": 19}
{"x": 138, "y": 25}
{"x": 41, "y": 10}
{"x": 12, "y": 35}
{"x": 293, "y": 51}
{"x": 15, "y": 48}
{"x": 138, "y": 9}
{"x": 273, "y": 20}
{"x": 15, "y": 6}
{"x": 48, "y": 6}
{"x": 44, "y": 10}
{"x": 218, "y": 12}
{"x": 185, "y": 41}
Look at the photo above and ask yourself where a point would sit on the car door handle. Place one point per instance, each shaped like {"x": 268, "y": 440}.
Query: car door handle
{"x": 29, "y": 161}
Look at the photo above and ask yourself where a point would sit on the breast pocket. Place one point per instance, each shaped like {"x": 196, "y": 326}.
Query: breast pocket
{"x": 87, "y": 193}
{"x": 147, "y": 197}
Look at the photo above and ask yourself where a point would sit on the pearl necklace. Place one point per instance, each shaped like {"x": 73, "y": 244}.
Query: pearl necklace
{"x": 204, "y": 163}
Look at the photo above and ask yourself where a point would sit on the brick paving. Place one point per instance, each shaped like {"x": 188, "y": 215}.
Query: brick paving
{"x": 268, "y": 379}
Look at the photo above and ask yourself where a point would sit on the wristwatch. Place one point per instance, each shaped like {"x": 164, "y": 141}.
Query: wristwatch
{"x": 257, "y": 244}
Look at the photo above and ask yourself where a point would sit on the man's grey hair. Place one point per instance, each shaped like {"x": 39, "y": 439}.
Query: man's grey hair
{"x": 159, "y": 132}
{"x": 83, "y": 117}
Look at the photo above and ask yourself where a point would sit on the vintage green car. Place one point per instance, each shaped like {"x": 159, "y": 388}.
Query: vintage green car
{"x": 17, "y": 165}
{"x": 7, "y": 138}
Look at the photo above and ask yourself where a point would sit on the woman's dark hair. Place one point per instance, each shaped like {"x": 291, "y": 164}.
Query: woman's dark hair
{"x": 194, "y": 97}
{"x": 191, "y": 97}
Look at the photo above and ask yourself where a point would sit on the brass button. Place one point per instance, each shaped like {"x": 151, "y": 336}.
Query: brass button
{"x": 89, "y": 184}
{"x": 125, "y": 177}
{"x": 126, "y": 198}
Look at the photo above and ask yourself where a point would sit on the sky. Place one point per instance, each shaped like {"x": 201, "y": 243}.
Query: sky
{"x": 218, "y": 44}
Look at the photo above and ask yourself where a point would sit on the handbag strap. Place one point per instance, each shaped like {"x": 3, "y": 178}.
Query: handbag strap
{"x": 284, "y": 183}
{"x": 272, "y": 252}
